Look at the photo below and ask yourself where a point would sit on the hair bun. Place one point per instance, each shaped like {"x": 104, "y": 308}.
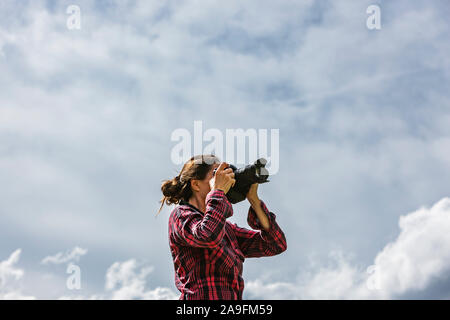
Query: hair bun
{"x": 172, "y": 190}
{"x": 178, "y": 188}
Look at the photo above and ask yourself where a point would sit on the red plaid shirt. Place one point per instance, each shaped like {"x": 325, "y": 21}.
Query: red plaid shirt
{"x": 208, "y": 251}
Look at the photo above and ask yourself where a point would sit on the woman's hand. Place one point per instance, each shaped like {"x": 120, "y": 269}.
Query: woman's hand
{"x": 252, "y": 195}
{"x": 223, "y": 178}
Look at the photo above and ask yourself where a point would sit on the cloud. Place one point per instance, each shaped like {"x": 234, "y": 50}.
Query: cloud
{"x": 127, "y": 280}
{"x": 123, "y": 281}
{"x": 419, "y": 258}
{"x": 9, "y": 278}
{"x": 421, "y": 253}
{"x": 68, "y": 256}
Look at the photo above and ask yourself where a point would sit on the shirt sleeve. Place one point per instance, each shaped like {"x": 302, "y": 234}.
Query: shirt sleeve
{"x": 192, "y": 228}
{"x": 260, "y": 243}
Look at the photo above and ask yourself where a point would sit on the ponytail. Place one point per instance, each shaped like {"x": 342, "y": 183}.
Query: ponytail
{"x": 179, "y": 188}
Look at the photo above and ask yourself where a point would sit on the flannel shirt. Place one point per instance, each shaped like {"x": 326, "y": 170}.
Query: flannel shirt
{"x": 208, "y": 252}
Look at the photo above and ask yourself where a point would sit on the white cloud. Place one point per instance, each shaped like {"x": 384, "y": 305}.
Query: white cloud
{"x": 418, "y": 258}
{"x": 63, "y": 257}
{"x": 9, "y": 278}
{"x": 126, "y": 282}
{"x": 420, "y": 254}
{"x": 7, "y": 269}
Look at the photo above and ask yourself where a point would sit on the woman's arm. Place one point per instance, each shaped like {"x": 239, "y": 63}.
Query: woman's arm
{"x": 264, "y": 242}
{"x": 255, "y": 202}
{"x": 204, "y": 231}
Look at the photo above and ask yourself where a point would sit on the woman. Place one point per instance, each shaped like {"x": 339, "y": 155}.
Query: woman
{"x": 208, "y": 251}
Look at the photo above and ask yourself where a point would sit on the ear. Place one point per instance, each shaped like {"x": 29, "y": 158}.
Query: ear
{"x": 194, "y": 185}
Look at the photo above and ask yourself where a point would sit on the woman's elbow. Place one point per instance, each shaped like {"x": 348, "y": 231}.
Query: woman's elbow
{"x": 282, "y": 246}
{"x": 274, "y": 250}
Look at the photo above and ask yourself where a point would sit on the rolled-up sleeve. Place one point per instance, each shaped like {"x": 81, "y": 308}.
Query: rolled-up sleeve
{"x": 204, "y": 230}
{"x": 260, "y": 243}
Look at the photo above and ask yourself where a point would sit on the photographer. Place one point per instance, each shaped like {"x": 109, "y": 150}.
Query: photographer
{"x": 208, "y": 251}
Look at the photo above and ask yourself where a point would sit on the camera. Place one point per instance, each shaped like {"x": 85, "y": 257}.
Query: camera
{"x": 245, "y": 177}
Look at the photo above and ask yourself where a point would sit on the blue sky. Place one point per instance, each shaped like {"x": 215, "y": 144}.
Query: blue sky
{"x": 364, "y": 119}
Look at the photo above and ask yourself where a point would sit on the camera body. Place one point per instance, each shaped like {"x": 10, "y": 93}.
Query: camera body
{"x": 245, "y": 177}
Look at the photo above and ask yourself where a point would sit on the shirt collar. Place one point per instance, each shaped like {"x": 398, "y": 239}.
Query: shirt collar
{"x": 185, "y": 203}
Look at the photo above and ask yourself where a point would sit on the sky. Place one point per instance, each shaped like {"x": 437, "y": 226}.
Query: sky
{"x": 363, "y": 115}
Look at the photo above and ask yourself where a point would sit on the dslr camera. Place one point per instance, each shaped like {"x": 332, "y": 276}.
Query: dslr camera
{"x": 245, "y": 177}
